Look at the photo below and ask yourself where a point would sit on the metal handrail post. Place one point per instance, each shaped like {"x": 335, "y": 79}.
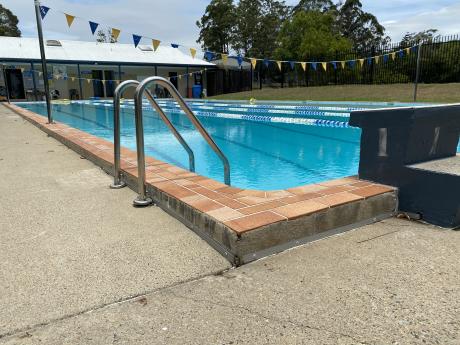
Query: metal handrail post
{"x": 6, "y": 84}
{"x": 184, "y": 106}
{"x": 142, "y": 199}
{"x": 118, "y": 183}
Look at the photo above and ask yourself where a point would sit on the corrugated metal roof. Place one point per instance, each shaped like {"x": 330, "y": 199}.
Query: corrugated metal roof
{"x": 28, "y": 49}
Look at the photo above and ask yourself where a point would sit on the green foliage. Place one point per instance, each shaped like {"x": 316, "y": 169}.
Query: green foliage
{"x": 314, "y": 5}
{"x": 105, "y": 37}
{"x": 8, "y": 23}
{"x": 413, "y": 38}
{"x": 217, "y": 25}
{"x": 310, "y": 34}
{"x": 257, "y": 27}
{"x": 362, "y": 28}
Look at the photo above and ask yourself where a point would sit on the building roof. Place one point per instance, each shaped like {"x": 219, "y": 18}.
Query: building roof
{"x": 19, "y": 48}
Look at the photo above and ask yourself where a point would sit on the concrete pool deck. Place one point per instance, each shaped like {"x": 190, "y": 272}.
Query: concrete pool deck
{"x": 243, "y": 225}
{"x": 79, "y": 265}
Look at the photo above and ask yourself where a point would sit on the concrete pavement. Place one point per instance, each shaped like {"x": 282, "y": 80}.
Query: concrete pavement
{"x": 74, "y": 252}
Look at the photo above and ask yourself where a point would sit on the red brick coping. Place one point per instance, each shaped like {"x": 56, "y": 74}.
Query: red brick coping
{"x": 241, "y": 210}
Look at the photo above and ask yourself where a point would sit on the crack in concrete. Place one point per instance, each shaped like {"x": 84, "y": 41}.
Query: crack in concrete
{"x": 259, "y": 314}
{"x": 29, "y": 329}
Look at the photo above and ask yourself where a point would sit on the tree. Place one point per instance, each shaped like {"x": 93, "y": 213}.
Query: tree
{"x": 412, "y": 38}
{"x": 362, "y": 28}
{"x": 105, "y": 37}
{"x": 257, "y": 27}
{"x": 216, "y": 26}
{"x": 314, "y": 5}
{"x": 8, "y": 23}
{"x": 310, "y": 34}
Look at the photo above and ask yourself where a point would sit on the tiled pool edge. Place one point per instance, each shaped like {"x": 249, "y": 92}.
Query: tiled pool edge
{"x": 243, "y": 225}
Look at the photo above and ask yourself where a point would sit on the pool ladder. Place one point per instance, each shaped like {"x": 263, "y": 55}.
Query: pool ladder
{"x": 141, "y": 90}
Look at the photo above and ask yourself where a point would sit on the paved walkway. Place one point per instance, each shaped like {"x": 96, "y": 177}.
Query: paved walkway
{"x": 73, "y": 252}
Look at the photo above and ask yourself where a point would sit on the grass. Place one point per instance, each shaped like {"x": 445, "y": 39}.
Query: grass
{"x": 435, "y": 93}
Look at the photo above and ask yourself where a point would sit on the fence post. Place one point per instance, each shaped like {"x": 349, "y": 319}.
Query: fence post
{"x": 417, "y": 73}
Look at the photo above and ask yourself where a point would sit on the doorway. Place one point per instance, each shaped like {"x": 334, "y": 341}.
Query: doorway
{"x": 15, "y": 83}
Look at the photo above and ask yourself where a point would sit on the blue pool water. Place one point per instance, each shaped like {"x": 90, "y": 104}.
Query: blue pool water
{"x": 269, "y": 146}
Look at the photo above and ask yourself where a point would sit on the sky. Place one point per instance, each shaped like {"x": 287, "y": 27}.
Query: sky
{"x": 174, "y": 20}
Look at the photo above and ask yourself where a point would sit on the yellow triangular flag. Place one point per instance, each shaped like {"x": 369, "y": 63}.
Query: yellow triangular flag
{"x": 115, "y": 33}
{"x": 156, "y": 44}
{"x": 72, "y": 78}
{"x": 377, "y": 59}
{"x": 324, "y": 64}
{"x": 304, "y": 66}
{"x": 279, "y": 64}
{"x": 191, "y": 74}
{"x": 407, "y": 51}
{"x": 88, "y": 81}
{"x": 22, "y": 70}
{"x": 103, "y": 82}
{"x": 69, "y": 19}
{"x": 40, "y": 74}
{"x": 117, "y": 82}
{"x": 253, "y": 63}
{"x": 180, "y": 76}
{"x": 343, "y": 64}
{"x": 56, "y": 76}
{"x": 393, "y": 55}
{"x": 224, "y": 58}
{"x": 361, "y": 62}
{"x": 193, "y": 52}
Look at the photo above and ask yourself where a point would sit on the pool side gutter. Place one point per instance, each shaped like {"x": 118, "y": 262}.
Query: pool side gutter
{"x": 243, "y": 225}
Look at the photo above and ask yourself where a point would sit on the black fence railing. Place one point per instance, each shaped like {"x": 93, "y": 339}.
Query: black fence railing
{"x": 439, "y": 63}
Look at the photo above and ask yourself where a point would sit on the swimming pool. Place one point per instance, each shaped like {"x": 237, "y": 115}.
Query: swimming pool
{"x": 270, "y": 146}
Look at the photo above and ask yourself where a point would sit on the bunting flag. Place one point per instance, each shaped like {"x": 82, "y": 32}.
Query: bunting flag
{"x": 361, "y": 62}
{"x": 174, "y": 45}
{"x": 407, "y": 51}
{"x": 69, "y": 19}
{"x": 304, "y": 66}
{"x": 314, "y": 65}
{"x": 352, "y": 63}
{"x": 239, "y": 58}
{"x": 115, "y": 33}
{"x": 334, "y": 64}
{"x": 224, "y": 58}
{"x": 324, "y": 64}
{"x": 155, "y": 44}
{"x": 93, "y": 26}
{"x": 280, "y": 65}
{"x": 72, "y": 78}
{"x": 180, "y": 77}
{"x": 190, "y": 74}
{"x": 369, "y": 61}
{"x": 343, "y": 63}
{"x": 44, "y": 11}
{"x": 393, "y": 56}
{"x": 88, "y": 81}
{"x": 266, "y": 63}
{"x": 193, "y": 52}
{"x": 103, "y": 82}
{"x": 254, "y": 63}
{"x": 385, "y": 58}
{"x": 377, "y": 59}
{"x": 209, "y": 56}
{"x": 292, "y": 64}
{"x": 136, "y": 40}
{"x": 40, "y": 74}
{"x": 401, "y": 53}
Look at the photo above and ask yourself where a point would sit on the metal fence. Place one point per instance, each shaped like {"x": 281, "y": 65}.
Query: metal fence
{"x": 439, "y": 63}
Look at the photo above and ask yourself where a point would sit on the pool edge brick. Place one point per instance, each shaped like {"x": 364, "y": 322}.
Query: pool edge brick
{"x": 253, "y": 223}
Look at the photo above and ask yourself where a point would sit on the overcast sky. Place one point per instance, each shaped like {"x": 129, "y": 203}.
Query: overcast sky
{"x": 174, "y": 20}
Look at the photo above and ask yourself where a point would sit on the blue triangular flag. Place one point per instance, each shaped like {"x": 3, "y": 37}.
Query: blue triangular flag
{"x": 334, "y": 64}
{"x": 352, "y": 63}
{"x": 239, "y": 58}
{"x": 369, "y": 61}
{"x": 314, "y": 65}
{"x": 266, "y": 62}
{"x": 136, "y": 39}
{"x": 292, "y": 63}
{"x": 385, "y": 58}
{"x": 43, "y": 11}
{"x": 401, "y": 53}
{"x": 414, "y": 49}
{"x": 93, "y": 26}
{"x": 174, "y": 45}
{"x": 209, "y": 55}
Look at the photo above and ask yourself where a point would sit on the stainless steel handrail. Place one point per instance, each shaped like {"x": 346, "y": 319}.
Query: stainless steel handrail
{"x": 118, "y": 183}
{"x": 140, "y": 90}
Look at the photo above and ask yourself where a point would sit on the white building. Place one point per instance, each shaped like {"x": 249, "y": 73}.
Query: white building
{"x": 80, "y": 70}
